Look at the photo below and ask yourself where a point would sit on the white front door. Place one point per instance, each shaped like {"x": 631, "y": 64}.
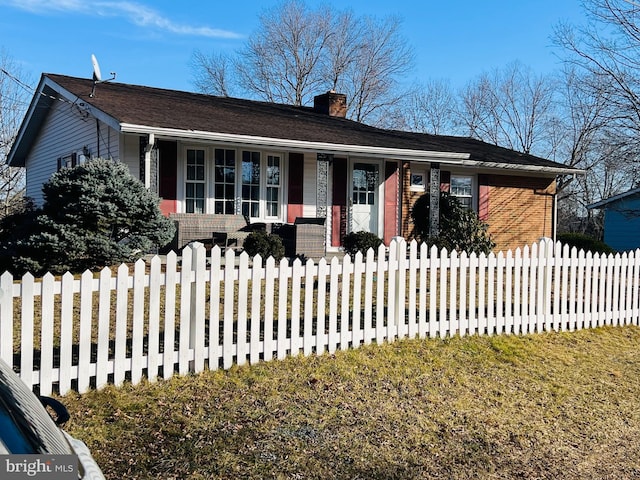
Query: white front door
{"x": 364, "y": 197}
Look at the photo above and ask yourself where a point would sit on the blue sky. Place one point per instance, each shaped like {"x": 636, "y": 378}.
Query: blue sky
{"x": 151, "y": 43}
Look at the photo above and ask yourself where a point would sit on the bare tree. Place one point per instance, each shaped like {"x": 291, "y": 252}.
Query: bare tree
{"x": 281, "y": 60}
{"x": 371, "y": 81}
{"x": 298, "y": 52}
{"x": 212, "y": 74}
{"x": 429, "y": 108}
{"x": 14, "y": 98}
{"x": 608, "y": 48}
{"x": 511, "y": 107}
{"x": 605, "y": 101}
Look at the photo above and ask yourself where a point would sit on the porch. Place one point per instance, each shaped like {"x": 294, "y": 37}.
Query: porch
{"x": 304, "y": 238}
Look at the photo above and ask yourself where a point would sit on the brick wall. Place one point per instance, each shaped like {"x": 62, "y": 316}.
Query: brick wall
{"x": 519, "y": 210}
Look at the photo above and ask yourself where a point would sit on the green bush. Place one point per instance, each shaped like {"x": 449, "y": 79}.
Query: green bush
{"x": 94, "y": 215}
{"x": 584, "y": 242}
{"x": 264, "y": 244}
{"x": 460, "y": 228}
{"x": 355, "y": 242}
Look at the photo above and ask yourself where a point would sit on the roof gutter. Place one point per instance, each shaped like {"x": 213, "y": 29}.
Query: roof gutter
{"x": 529, "y": 168}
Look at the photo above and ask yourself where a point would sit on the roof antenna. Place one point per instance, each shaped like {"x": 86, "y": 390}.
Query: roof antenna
{"x": 97, "y": 76}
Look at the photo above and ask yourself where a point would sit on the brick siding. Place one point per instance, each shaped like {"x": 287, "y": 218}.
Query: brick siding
{"x": 519, "y": 210}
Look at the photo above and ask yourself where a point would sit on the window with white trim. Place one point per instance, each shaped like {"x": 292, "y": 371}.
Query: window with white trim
{"x": 462, "y": 189}
{"x": 230, "y": 181}
{"x": 195, "y": 184}
{"x": 417, "y": 181}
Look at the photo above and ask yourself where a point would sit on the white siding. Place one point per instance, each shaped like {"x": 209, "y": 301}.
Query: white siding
{"x": 131, "y": 153}
{"x": 66, "y": 130}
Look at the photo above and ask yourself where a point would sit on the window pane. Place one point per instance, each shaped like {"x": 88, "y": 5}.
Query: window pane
{"x": 225, "y": 179}
{"x": 461, "y": 185}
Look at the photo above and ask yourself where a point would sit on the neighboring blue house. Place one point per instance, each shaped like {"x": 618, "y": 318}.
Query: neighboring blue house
{"x": 621, "y": 220}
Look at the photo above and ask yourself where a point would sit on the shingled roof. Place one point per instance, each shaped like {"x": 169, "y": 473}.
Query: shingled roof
{"x": 191, "y": 112}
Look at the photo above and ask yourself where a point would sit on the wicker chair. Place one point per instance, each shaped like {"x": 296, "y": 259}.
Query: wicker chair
{"x": 209, "y": 229}
{"x": 306, "y": 238}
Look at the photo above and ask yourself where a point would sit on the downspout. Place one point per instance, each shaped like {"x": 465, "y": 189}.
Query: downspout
{"x": 554, "y": 217}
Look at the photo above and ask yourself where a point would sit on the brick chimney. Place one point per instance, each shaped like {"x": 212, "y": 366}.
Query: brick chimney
{"x": 331, "y": 103}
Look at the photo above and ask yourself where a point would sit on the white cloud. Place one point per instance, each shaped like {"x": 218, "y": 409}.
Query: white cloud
{"x": 135, "y": 13}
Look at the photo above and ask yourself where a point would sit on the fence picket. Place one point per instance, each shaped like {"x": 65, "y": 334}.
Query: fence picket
{"x": 6, "y": 318}
{"x": 635, "y": 301}
{"x": 257, "y": 275}
{"x": 491, "y": 295}
{"x": 243, "y": 300}
{"x": 322, "y": 340}
{"x": 307, "y": 342}
{"x": 153, "y": 348}
{"x": 104, "y": 313}
{"x": 453, "y": 293}
{"x": 283, "y": 341}
{"x": 463, "y": 319}
{"x": 499, "y": 294}
{"x": 170, "y": 285}
{"x": 184, "y": 336}
{"x": 508, "y": 294}
{"x": 334, "y": 278}
{"x": 66, "y": 332}
{"x": 26, "y": 329}
{"x": 137, "y": 335}
{"x": 412, "y": 288}
{"x": 482, "y": 270}
{"x": 197, "y": 330}
{"x": 269, "y": 291}
{"x": 357, "y": 329}
{"x": 424, "y": 289}
{"x": 369, "y": 269}
{"x": 473, "y": 283}
{"x": 345, "y": 335}
{"x": 215, "y": 278}
{"x": 84, "y": 340}
{"x": 46, "y": 335}
{"x": 228, "y": 323}
{"x": 443, "y": 326}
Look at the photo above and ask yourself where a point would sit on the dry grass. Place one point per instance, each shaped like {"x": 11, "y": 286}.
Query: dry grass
{"x": 542, "y": 406}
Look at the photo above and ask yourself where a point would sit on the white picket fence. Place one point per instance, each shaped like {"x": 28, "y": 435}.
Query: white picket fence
{"x": 200, "y": 312}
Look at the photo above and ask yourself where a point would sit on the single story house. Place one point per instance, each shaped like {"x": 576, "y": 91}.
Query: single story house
{"x": 621, "y": 220}
{"x": 274, "y": 163}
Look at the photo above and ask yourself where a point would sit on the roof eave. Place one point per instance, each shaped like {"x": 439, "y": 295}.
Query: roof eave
{"x": 614, "y": 198}
{"x": 299, "y": 145}
{"x": 451, "y": 158}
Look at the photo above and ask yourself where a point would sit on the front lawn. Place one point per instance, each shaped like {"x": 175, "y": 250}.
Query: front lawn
{"x": 558, "y": 405}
